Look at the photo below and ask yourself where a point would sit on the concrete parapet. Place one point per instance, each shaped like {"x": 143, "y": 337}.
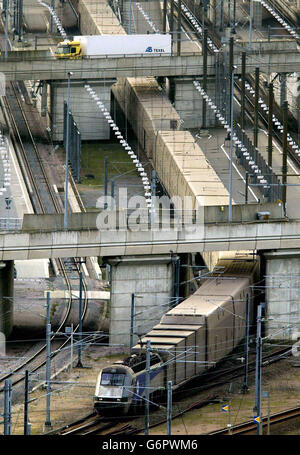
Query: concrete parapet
{"x": 88, "y": 220}
{"x": 150, "y": 278}
{"x": 79, "y": 220}
{"x": 243, "y": 212}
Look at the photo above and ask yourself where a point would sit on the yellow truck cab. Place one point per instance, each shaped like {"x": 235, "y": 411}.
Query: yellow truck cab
{"x": 69, "y": 49}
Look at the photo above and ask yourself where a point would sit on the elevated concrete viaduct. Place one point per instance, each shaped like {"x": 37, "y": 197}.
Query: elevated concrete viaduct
{"x": 37, "y": 65}
{"x": 43, "y": 236}
{"x": 144, "y": 262}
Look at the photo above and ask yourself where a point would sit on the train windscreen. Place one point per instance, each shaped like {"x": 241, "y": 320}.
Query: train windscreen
{"x": 113, "y": 379}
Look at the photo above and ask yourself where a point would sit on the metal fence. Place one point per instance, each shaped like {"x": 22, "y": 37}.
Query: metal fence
{"x": 74, "y": 144}
{"x": 253, "y": 162}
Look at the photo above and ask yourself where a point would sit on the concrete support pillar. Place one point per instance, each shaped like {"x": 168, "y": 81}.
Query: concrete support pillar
{"x": 188, "y": 104}
{"x": 282, "y": 78}
{"x": 83, "y": 108}
{"x": 282, "y": 281}
{"x": 44, "y": 98}
{"x": 6, "y": 300}
{"x": 150, "y": 278}
{"x": 171, "y": 89}
{"x": 216, "y": 13}
{"x": 257, "y": 14}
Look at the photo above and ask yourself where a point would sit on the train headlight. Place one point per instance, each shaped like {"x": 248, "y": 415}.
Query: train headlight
{"x": 118, "y": 399}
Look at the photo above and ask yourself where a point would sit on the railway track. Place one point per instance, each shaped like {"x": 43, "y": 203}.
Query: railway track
{"x": 44, "y": 200}
{"x": 250, "y": 426}
{"x": 97, "y": 425}
{"x": 263, "y": 117}
{"x": 189, "y": 15}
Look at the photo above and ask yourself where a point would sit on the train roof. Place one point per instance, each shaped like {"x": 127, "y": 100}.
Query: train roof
{"x": 154, "y": 103}
{"x": 164, "y": 326}
{"x": 196, "y": 169}
{"x": 162, "y": 340}
{"x": 170, "y": 333}
{"x": 209, "y": 296}
{"x": 222, "y": 286}
{"x": 138, "y": 348}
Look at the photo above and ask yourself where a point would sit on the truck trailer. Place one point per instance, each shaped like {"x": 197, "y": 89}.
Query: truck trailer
{"x": 93, "y": 46}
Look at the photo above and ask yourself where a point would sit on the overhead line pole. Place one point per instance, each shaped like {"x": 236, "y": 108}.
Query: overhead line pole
{"x": 6, "y": 4}
{"x": 231, "y": 73}
{"x": 228, "y": 13}
{"x": 257, "y": 406}
{"x": 204, "y": 51}
{"x": 245, "y": 384}
{"x": 105, "y": 181}
{"x": 131, "y": 323}
{"x": 250, "y": 25}
{"x": 172, "y": 22}
{"x": 169, "y": 409}
{"x": 48, "y": 363}
{"x": 255, "y": 131}
{"x": 234, "y": 17}
{"x": 222, "y": 16}
{"x": 242, "y": 117}
{"x": 270, "y": 126}
{"x": 79, "y": 362}
{"x": 179, "y": 29}
{"x": 7, "y": 406}
{"x": 164, "y": 16}
{"x": 147, "y": 387}
{"x": 67, "y": 154}
{"x": 284, "y": 154}
{"x": 26, "y": 402}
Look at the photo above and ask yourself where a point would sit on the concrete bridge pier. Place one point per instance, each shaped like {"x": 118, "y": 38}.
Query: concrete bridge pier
{"x": 91, "y": 123}
{"x": 282, "y": 282}
{"x": 6, "y": 301}
{"x": 215, "y": 13}
{"x": 257, "y": 14}
{"x": 188, "y": 103}
{"x": 283, "y": 87}
{"x": 152, "y": 280}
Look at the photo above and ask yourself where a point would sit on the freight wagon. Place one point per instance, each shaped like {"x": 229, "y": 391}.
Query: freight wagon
{"x": 190, "y": 339}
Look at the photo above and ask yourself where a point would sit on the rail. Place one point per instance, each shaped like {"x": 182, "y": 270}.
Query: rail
{"x": 41, "y": 206}
{"x": 250, "y": 426}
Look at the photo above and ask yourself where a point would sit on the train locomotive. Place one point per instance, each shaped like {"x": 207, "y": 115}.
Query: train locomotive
{"x": 189, "y": 339}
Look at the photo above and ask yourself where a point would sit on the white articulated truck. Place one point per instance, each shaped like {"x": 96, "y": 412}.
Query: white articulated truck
{"x": 94, "y": 46}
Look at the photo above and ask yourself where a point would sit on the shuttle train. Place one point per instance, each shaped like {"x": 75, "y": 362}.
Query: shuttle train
{"x": 189, "y": 339}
